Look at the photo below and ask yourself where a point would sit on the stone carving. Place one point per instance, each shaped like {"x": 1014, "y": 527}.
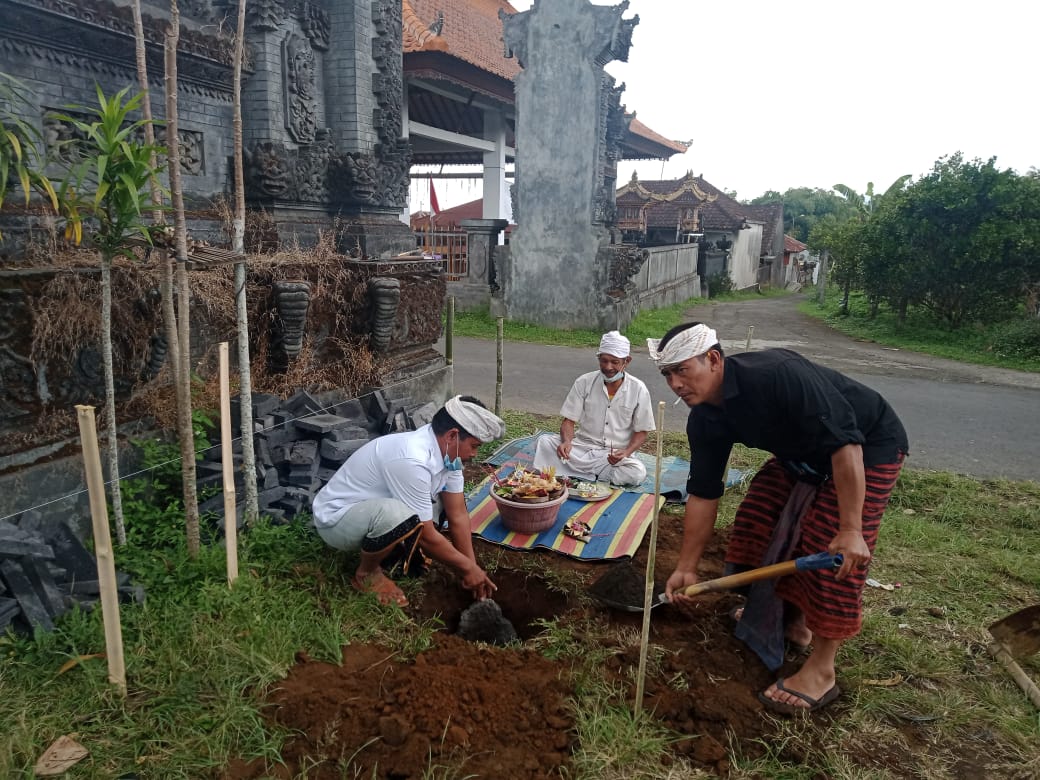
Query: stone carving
{"x": 615, "y": 32}
{"x": 157, "y": 351}
{"x": 265, "y": 14}
{"x": 292, "y": 298}
{"x": 385, "y": 294}
{"x": 301, "y": 105}
{"x": 315, "y": 25}
{"x": 514, "y": 35}
{"x": 268, "y": 170}
{"x": 119, "y": 18}
{"x": 191, "y": 143}
{"x": 626, "y": 262}
{"x": 354, "y": 178}
{"x": 396, "y": 164}
{"x": 312, "y": 168}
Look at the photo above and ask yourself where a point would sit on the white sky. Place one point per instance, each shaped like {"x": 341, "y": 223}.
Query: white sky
{"x": 811, "y": 93}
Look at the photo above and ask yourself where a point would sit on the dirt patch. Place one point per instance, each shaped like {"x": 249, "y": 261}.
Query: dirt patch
{"x": 506, "y": 712}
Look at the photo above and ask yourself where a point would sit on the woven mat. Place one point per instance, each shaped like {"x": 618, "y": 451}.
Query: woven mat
{"x": 618, "y": 524}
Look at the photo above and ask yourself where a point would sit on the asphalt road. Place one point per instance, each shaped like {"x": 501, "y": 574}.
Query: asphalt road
{"x": 966, "y": 419}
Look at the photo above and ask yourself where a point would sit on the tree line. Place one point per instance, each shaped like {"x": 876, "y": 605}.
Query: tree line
{"x": 961, "y": 242}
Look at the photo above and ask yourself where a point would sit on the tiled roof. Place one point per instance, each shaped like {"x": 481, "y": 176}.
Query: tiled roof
{"x": 470, "y": 30}
{"x": 450, "y": 218}
{"x": 638, "y": 128}
{"x": 793, "y": 245}
{"x": 718, "y": 210}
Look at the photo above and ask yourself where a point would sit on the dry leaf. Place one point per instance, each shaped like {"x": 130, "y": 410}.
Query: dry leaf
{"x": 77, "y": 661}
{"x": 895, "y": 679}
{"x": 60, "y": 757}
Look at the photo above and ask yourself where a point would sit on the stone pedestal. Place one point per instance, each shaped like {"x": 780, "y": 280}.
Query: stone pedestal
{"x": 481, "y": 282}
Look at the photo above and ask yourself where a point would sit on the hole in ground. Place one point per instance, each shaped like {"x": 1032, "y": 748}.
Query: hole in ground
{"x": 523, "y": 598}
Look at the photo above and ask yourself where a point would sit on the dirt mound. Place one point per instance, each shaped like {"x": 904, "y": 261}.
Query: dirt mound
{"x": 505, "y": 712}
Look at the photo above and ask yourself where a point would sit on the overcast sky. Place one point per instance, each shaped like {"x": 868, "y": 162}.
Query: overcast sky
{"x": 810, "y": 93}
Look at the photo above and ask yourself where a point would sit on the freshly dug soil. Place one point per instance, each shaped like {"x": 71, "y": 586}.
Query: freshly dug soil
{"x": 502, "y": 712}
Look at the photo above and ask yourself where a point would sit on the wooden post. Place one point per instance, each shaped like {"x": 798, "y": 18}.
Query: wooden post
{"x": 821, "y": 277}
{"x": 228, "y": 468}
{"x": 499, "y": 340}
{"x": 648, "y": 590}
{"x": 102, "y": 548}
{"x": 750, "y": 331}
{"x": 449, "y": 345}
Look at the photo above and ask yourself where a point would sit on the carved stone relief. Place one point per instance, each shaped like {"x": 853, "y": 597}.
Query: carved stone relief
{"x": 315, "y": 25}
{"x": 301, "y": 105}
{"x": 268, "y": 170}
{"x": 265, "y": 15}
{"x": 312, "y": 169}
{"x": 291, "y": 299}
{"x": 385, "y": 293}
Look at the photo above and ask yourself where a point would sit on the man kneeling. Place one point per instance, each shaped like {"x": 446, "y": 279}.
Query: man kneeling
{"x": 383, "y": 500}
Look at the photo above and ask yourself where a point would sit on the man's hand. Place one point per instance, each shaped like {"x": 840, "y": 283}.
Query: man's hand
{"x": 564, "y": 450}
{"x": 674, "y": 586}
{"x": 851, "y": 545}
{"x": 615, "y": 457}
{"x": 477, "y": 582}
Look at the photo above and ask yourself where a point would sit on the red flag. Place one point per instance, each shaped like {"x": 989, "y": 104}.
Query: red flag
{"x": 434, "y": 206}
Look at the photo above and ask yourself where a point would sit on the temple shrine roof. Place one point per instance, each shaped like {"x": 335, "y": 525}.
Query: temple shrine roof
{"x": 468, "y": 30}
{"x": 664, "y": 202}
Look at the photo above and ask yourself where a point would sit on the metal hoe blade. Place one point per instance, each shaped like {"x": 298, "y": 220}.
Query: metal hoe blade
{"x": 1019, "y": 632}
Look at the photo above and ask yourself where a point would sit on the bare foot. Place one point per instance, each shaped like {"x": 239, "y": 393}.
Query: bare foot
{"x": 382, "y": 586}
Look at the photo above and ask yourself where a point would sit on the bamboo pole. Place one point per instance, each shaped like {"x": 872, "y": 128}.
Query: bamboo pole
{"x": 228, "y": 468}
{"x": 648, "y": 589}
{"x": 499, "y": 354}
{"x": 750, "y": 333}
{"x": 102, "y": 548}
{"x": 449, "y": 345}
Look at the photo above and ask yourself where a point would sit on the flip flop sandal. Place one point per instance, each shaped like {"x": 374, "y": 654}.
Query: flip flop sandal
{"x": 383, "y": 588}
{"x": 783, "y": 708}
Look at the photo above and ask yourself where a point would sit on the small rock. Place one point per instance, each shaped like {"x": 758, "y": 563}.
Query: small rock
{"x": 937, "y": 612}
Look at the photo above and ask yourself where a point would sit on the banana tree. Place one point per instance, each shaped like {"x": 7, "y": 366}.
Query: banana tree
{"x": 105, "y": 191}
{"x": 864, "y": 204}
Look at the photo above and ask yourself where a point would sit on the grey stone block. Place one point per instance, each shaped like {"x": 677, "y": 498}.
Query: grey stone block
{"x": 21, "y": 588}
{"x": 322, "y": 423}
{"x": 9, "y": 610}
{"x": 15, "y": 543}
{"x": 70, "y": 553}
{"x": 271, "y": 479}
{"x": 53, "y": 600}
{"x": 302, "y": 403}
{"x": 352, "y": 410}
{"x": 339, "y": 451}
{"x": 423, "y": 415}
{"x": 276, "y": 436}
{"x": 303, "y": 452}
{"x": 345, "y": 434}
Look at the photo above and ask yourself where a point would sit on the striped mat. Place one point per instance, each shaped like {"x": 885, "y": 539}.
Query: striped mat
{"x": 618, "y": 525}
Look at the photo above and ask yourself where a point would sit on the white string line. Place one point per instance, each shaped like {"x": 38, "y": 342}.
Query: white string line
{"x": 323, "y": 410}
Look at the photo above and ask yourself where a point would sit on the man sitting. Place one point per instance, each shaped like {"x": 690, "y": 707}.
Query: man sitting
{"x": 607, "y": 416}
{"x": 383, "y": 499}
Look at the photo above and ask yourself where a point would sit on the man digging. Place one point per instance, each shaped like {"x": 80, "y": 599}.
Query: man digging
{"x": 385, "y": 499}
{"x": 837, "y": 448}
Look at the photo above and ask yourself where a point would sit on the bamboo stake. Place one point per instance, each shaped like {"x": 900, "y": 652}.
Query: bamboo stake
{"x": 228, "y": 468}
{"x": 750, "y": 332}
{"x": 449, "y": 345}
{"x": 499, "y": 354}
{"x": 648, "y": 589}
{"x": 103, "y": 548}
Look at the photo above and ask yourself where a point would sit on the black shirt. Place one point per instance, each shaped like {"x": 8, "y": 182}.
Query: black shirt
{"x": 801, "y": 412}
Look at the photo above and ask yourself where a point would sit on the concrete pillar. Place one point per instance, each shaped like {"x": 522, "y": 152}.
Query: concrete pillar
{"x": 496, "y": 192}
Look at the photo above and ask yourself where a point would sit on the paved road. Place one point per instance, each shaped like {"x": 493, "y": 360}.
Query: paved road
{"x": 967, "y": 419}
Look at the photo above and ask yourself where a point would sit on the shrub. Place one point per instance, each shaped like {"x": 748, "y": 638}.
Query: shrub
{"x": 1018, "y": 339}
{"x": 719, "y": 283}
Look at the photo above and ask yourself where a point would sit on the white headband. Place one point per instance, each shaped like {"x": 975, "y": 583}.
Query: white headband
{"x": 686, "y": 344}
{"x": 475, "y": 419}
{"x": 615, "y": 344}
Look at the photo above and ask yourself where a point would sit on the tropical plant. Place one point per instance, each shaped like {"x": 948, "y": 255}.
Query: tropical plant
{"x": 111, "y": 169}
{"x": 20, "y": 156}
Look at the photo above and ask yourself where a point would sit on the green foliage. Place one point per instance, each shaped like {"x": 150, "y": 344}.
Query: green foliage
{"x": 1018, "y": 339}
{"x": 719, "y": 283}
{"x": 109, "y": 183}
{"x": 805, "y": 207}
{"x": 20, "y": 156}
{"x": 962, "y": 241}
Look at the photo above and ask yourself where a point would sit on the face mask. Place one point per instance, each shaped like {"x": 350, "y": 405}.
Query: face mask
{"x": 453, "y": 465}
{"x": 611, "y": 379}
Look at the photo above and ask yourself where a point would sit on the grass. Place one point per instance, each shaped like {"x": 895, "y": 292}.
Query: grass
{"x": 978, "y": 343}
{"x": 478, "y": 323}
{"x": 200, "y": 656}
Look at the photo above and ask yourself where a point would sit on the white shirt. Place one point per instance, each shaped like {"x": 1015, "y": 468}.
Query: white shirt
{"x": 406, "y": 466}
{"x": 604, "y": 421}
